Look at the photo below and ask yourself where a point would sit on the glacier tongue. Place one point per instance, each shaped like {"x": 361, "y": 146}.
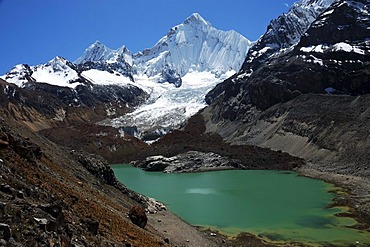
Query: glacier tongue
{"x": 168, "y": 106}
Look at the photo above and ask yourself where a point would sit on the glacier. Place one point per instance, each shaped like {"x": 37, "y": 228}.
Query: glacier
{"x": 168, "y": 106}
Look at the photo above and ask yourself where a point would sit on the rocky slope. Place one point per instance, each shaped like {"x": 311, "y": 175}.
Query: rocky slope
{"x": 53, "y": 198}
{"x": 330, "y": 131}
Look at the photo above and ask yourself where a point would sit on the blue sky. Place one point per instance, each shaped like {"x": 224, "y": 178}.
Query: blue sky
{"x": 35, "y": 31}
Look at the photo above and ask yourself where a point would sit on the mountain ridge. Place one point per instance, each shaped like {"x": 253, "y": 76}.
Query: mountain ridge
{"x": 192, "y": 45}
{"x": 281, "y": 34}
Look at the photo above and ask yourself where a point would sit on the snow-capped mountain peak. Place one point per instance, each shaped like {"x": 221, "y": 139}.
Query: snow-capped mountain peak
{"x": 193, "y": 45}
{"x": 59, "y": 64}
{"x": 196, "y": 18}
{"x": 95, "y": 52}
{"x": 100, "y": 57}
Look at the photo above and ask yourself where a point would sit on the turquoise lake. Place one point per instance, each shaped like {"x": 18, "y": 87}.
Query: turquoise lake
{"x": 277, "y": 206}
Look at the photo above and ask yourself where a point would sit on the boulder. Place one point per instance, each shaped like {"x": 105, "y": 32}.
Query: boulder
{"x": 92, "y": 226}
{"x": 138, "y": 217}
{"x": 5, "y": 231}
{"x": 3, "y": 144}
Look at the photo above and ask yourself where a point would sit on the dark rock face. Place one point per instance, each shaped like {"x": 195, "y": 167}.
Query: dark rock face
{"x": 98, "y": 167}
{"x": 138, "y": 217}
{"x": 92, "y": 226}
{"x": 6, "y": 231}
{"x": 90, "y": 95}
{"x": 120, "y": 66}
{"x": 333, "y": 55}
{"x": 284, "y": 32}
{"x": 171, "y": 76}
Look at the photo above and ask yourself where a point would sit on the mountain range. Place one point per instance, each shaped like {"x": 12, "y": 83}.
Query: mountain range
{"x": 154, "y": 91}
{"x": 187, "y": 62}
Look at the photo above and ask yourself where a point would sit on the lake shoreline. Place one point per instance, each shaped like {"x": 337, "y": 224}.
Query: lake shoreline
{"x": 356, "y": 196}
{"x": 351, "y": 185}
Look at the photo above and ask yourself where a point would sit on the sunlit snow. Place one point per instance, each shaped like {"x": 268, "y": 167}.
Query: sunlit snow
{"x": 169, "y": 106}
{"x": 348, "y": 48}
{"x": 99, "y": 77}
{"x": 56, "y": 72}
{"x": 341, "y": 46}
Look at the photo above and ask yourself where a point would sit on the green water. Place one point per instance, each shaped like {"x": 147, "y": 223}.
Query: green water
{"x": 277, "y": 206}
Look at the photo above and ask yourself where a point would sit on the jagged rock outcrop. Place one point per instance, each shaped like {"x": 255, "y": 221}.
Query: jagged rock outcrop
{"x": 98, "y": 167}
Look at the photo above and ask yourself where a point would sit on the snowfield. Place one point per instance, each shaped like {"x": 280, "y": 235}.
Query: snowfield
{"x": 99, "y": 77}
